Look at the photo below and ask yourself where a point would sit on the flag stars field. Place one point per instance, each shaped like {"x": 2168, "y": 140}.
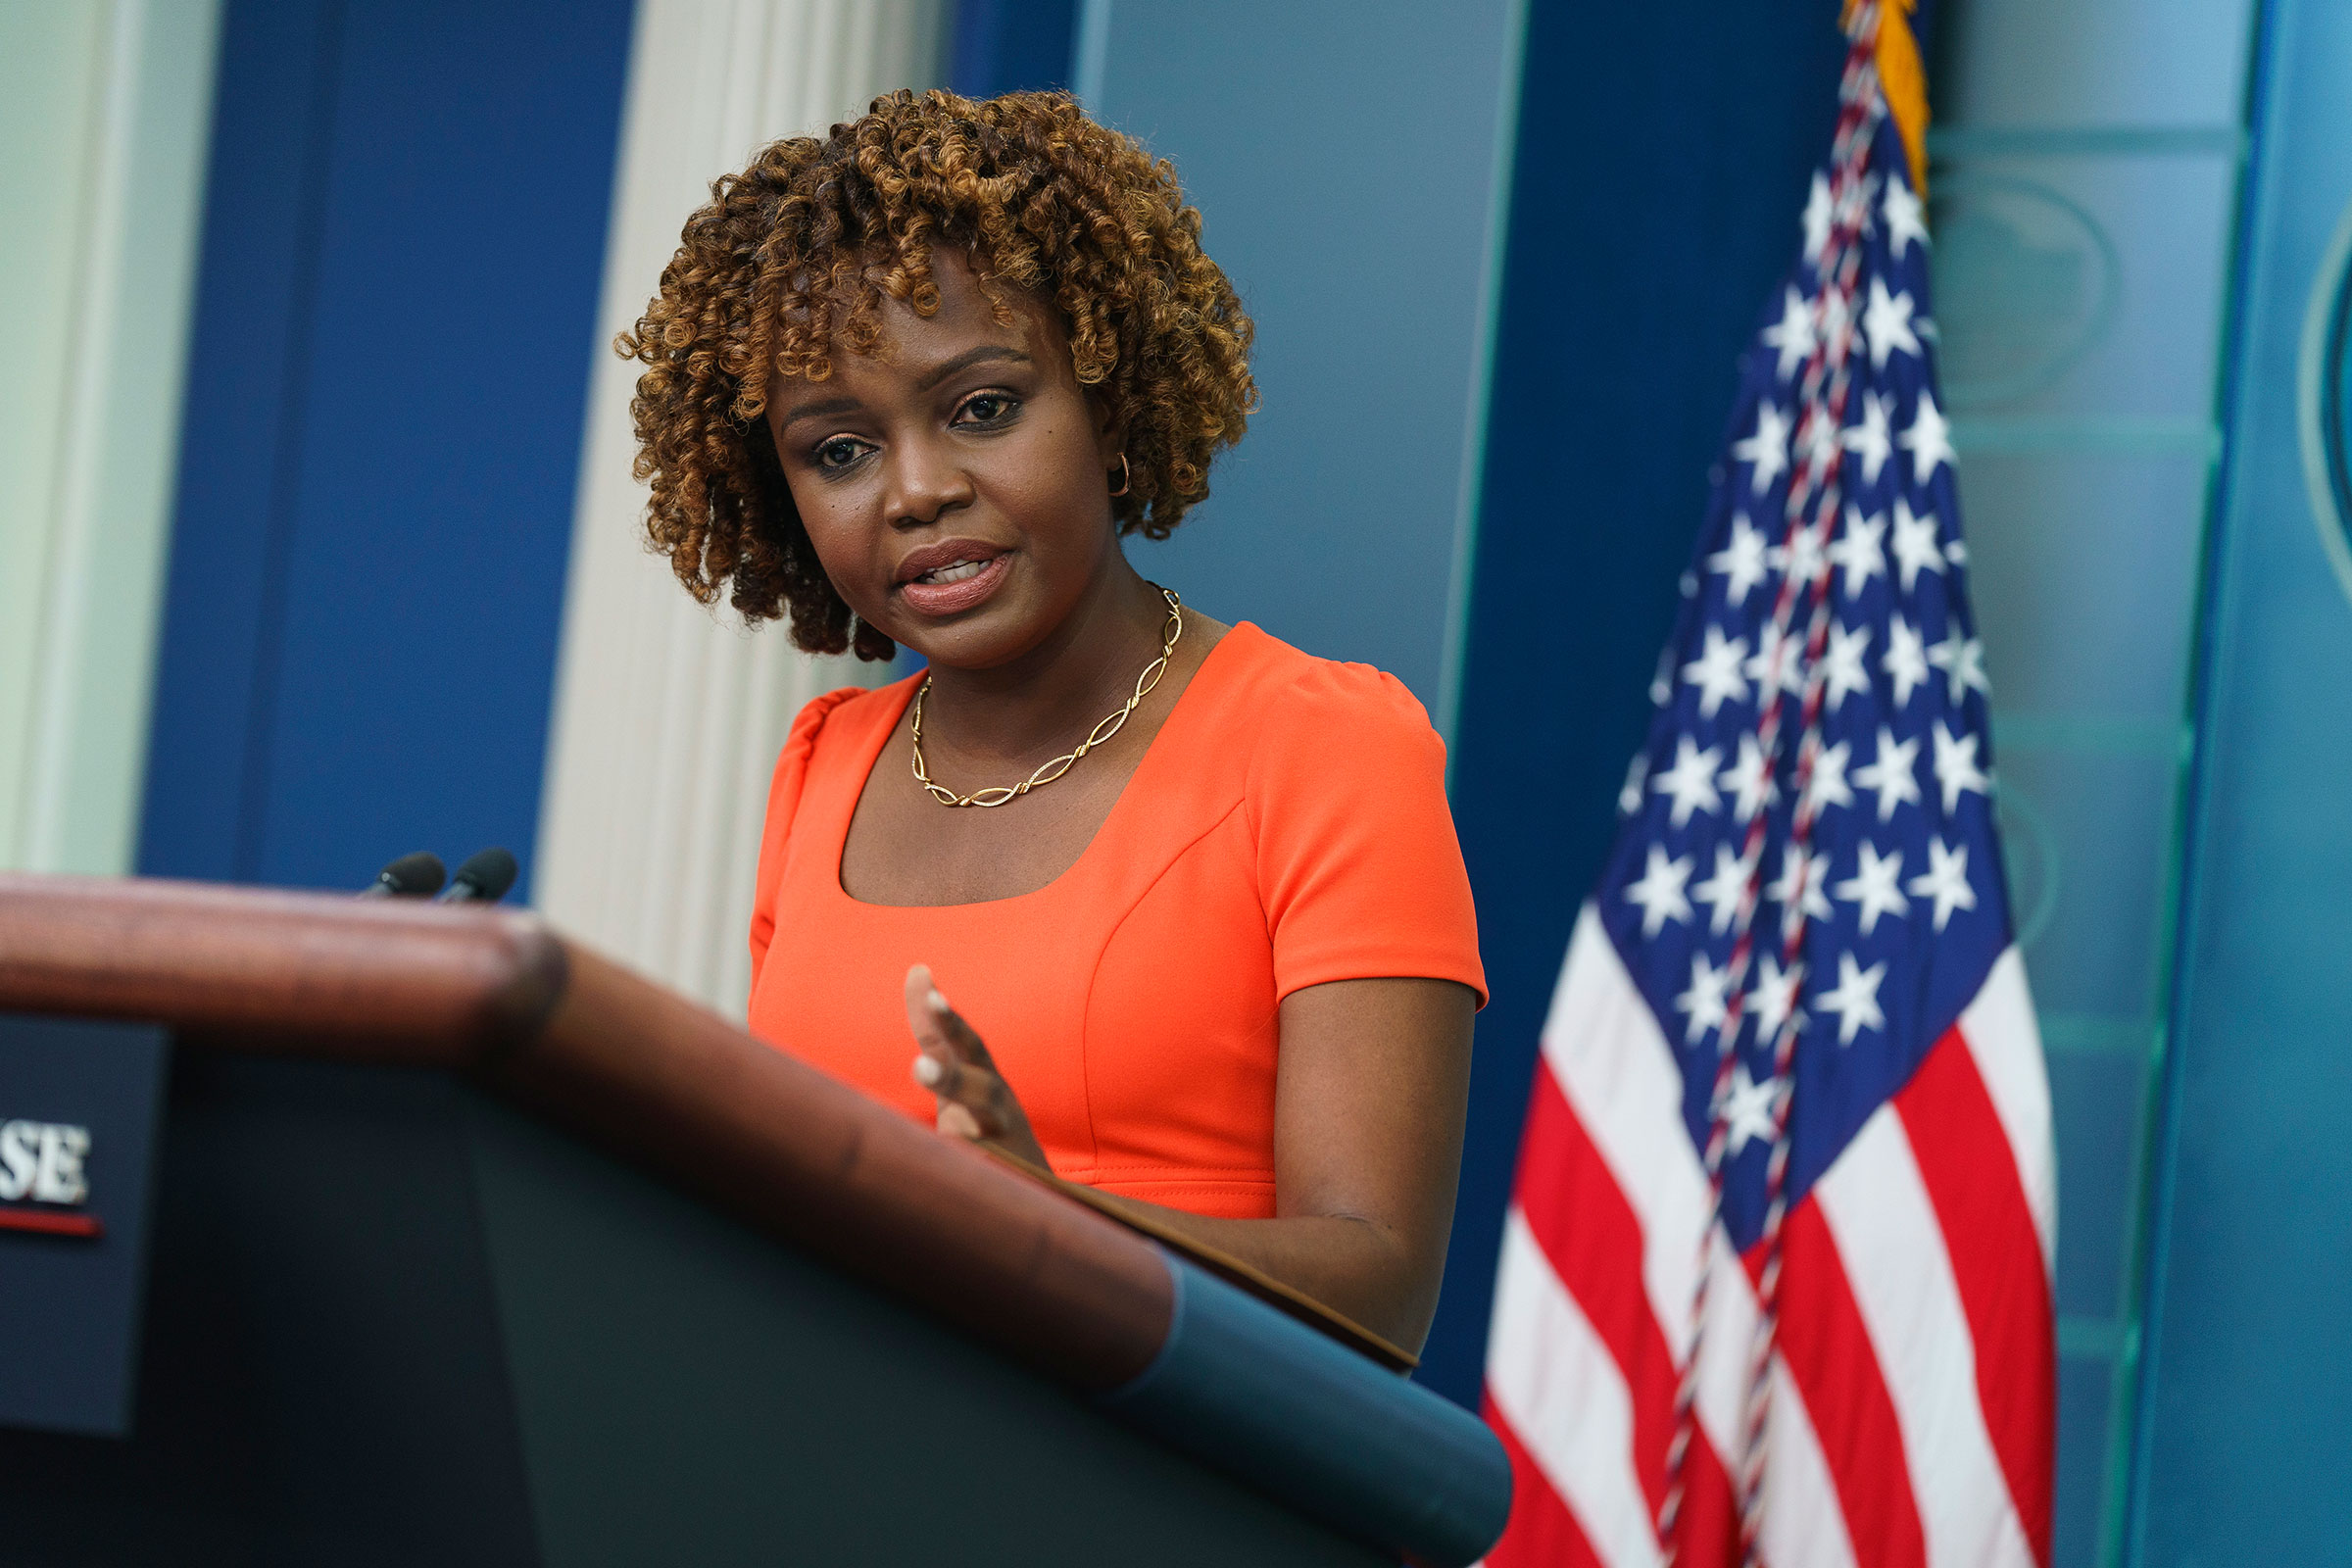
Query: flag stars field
{"x": 1825, "y": 786}
{"x": 1774, "y": 999}
{"x": 1799, "y": 887}
{"x": 1906, "y": 217}
{"x": 1749, "y": 781}
{"x": 1747, "y": 1110}
{"x": 1857, "y": 552}
{"x": 1707, "y": 1003}
{"x": 1815, "y": 219}
{"x": 1724, "y": 889}
{"x": 1792, "y": 336}
{"x": 1691, "y": 782}
{"x": 1854, "y": 999}
{"x": 1957, "y": 770}
{"x": 1767, "y": 449}
{"x": 1946, "y": 882}
{"x": 1873, "y": 889}
{"x": 1916, "y": 547}
{"x": 1741, "y": 562}
{"x": 1802, "y": 560}
{"x": 1906, "y": 660}
{"x": 1890, "y": 773}
{"x": 1871, "y": 441}
{"x": 1659, "y": 893}
{"x": 1928, "y": 440}
{"x": 1962, "y": 660}
{"x": 1718, "y": 674}
{"x": 1842, "y": 671}
{"x": 1886, "y": 323}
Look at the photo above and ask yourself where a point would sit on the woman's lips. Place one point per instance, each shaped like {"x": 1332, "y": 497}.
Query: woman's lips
{"x": 954, "y": 598}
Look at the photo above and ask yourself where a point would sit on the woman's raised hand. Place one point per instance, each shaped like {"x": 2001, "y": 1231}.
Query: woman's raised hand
{"x": 974, "y": 1101}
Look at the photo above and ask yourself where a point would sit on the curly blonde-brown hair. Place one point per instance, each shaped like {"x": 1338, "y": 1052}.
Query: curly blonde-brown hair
{"x": 797, "y": 251}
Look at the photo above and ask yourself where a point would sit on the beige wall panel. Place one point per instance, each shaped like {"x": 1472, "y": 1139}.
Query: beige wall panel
{"x": 105, "y": 115}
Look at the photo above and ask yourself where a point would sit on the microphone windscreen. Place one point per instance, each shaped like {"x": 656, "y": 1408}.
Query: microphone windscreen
{"x": 483, "y": 878}
{"x": 411, "y": 876}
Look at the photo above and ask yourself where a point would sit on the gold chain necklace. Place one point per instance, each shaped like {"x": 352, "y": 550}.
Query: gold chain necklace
{"x": 1111, "y": 725}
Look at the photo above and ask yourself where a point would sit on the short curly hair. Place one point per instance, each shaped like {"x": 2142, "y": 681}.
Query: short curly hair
{"x": 798, "y": 250}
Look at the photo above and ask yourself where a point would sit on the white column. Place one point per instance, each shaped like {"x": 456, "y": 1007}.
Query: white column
{"x": 106, "y": 112}
{"x": 668, "y": 716}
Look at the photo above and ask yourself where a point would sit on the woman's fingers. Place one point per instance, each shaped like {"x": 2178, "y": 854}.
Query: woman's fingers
{"x": 976, "y": 1102}
{"x": 978, "y": 1094}
{"x": 957, "y": 1121}
{"x": 960, "y": 1033}
{"x": 952, "y": 1063}
{"x": 941, "y": 1075}
{"x": 970, "y": 1101}
{"x": 934, "y": 1022}
{"x": 922, "y": 1018}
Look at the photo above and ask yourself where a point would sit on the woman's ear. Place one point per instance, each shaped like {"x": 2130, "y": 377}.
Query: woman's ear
{"x": 1110, "y": 440}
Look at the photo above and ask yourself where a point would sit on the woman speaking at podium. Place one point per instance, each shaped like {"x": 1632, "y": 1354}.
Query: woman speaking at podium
{"x": 1164, "y": 904}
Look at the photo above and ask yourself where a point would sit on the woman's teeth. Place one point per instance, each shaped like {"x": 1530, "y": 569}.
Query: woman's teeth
{"x": 954, "y": 573}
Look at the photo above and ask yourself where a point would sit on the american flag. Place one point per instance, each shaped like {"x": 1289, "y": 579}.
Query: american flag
{"x": 1776, "y": 1278}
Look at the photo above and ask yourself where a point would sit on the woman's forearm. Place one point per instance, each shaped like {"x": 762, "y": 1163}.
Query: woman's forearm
{"x": 1367, "y": 1272}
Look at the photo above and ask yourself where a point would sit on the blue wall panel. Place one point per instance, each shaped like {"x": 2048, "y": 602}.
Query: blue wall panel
{"x": 1658, "y": 177}
{"x": 2244, "y": 1427}
{"x": 269, "y": 159}
{"x": 1343, "y": 160}
{"x": 404, "y": 241}
{"x": 1011, "y": 46}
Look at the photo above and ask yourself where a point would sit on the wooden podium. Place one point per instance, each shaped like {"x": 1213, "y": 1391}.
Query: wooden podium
{"x": 470, "y": 1246}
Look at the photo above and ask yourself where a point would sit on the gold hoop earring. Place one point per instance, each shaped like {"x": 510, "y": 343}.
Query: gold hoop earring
{"x": 1125, "y": 476}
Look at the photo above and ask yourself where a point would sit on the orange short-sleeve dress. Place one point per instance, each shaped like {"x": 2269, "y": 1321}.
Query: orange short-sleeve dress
{"x": 1287, "y": 828}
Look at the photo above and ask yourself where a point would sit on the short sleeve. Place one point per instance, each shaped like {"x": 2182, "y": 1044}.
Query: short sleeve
{"x": 783, "y": 805}
{"x": 1357, "y": 863}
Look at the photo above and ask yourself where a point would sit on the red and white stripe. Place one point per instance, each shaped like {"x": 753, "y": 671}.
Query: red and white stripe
{"x": 1910, "y": 1421}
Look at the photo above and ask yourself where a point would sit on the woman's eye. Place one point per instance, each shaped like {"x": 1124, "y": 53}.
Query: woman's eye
{"x": 839, "y": 453}
{"x": 989, "y": 407}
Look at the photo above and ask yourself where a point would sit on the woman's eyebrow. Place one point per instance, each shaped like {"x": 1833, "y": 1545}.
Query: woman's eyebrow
{"x": 823, "y": 408}
{"x": 966, "y": 359}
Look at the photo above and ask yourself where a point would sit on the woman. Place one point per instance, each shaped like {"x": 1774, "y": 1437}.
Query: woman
{"x": 1196, "y": 892}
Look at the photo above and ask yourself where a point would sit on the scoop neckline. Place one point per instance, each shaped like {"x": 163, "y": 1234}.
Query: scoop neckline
{"x": 872, "y": 758}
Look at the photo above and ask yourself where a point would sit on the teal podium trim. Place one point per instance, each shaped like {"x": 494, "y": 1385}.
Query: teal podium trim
{"x": 1241, "y": 1388}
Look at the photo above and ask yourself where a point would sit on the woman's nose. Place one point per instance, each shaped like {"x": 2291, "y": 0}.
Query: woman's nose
{"x": 926, "y": 479}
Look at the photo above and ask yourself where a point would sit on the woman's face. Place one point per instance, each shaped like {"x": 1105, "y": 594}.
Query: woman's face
{"x": 958, "y": 490}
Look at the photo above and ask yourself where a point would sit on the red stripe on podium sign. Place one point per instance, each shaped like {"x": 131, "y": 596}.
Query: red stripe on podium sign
{"x": 50, "y": 1222}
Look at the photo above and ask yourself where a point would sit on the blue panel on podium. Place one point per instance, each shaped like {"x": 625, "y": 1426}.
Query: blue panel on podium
{"x": 78, "y": 1125}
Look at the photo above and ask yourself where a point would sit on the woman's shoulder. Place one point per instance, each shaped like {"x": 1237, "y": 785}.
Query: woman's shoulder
{"x": 845, "y": 717}
{"x": 823, "y": 743}
{"x": 1288, "y": 692}
{"x": 1358, "y": 869}
{"x": 831, "y": 731}
{"x": 1294, "y": 727}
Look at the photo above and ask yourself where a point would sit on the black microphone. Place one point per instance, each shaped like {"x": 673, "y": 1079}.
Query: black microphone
{"x": 483, "y": 879}
{"x": 411, "y": 876}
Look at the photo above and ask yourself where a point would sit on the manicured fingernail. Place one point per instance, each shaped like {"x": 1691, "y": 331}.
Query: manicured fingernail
{"x": 926, "y": 1070}
{"x": 939, "y": 1003}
